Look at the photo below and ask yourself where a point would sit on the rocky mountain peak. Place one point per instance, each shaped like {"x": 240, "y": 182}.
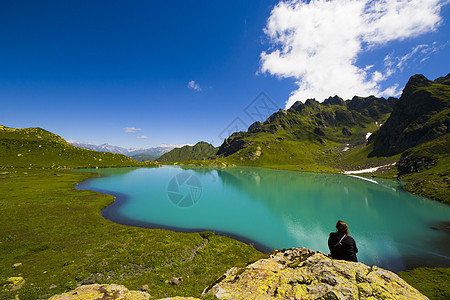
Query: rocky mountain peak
{"x": 297, "y": 107}
{"x": 415, "y": 82}
{"x": 336, "y": 100}
{"x": 312, "y": 103}
{"x": 443, "y": 80}
{"x": 255, "y": 126}
{"x": 418, "y": 116}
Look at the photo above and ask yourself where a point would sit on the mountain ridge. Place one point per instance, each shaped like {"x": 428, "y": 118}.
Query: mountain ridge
{"x": 126, "y": 151}
{"x": 409, "y": 136}
{"x": 420, "y": 115}
{"x": 201, "y": 150}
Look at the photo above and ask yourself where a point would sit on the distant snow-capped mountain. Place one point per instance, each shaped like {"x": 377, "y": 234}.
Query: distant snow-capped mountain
{"x": 129, "y": 152}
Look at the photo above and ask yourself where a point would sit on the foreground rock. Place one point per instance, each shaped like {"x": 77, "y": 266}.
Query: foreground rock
{"x": 102, "y": 291}
{"x": 296, "y": 273}
{"x": 300, "y": 273}
{"x": 13, "y": 284}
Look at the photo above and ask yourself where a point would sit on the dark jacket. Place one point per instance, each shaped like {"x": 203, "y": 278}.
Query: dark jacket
{"x": 345, "y": 250}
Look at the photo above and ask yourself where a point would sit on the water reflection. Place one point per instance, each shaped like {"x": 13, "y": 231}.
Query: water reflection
{"x": 282, "y": 209}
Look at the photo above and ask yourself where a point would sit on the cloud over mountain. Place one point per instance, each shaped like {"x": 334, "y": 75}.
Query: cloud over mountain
{"x": 318, "y": 43}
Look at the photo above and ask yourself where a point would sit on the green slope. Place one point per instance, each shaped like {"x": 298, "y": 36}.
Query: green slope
{"x": 417, "y": 137}
{"x": 148, "y": 156}
{"x": 426, "y": 169}
{"x": 331, "y": 137}
{"x": 61, "y": 239}
{"x": 201, "y": 150}
{"x": 308, "y": 136}
{"x": 421, "y": 115}
{"x": 36, "y": 148}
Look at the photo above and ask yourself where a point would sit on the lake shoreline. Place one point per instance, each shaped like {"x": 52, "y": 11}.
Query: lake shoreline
{"x": 110, "y": 213}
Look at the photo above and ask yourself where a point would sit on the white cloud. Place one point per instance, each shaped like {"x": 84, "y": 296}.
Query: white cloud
{"x": 419, "y": 53}
{"x": 142, "y": 137}
{"x": 131, "y": 129}
{"x": 173, "y": 145}
{"x": 193, "y": 85}
{"x": 318, "y": 43}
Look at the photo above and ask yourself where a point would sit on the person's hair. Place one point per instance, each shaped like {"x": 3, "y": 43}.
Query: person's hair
{"x": 342, "y": 227}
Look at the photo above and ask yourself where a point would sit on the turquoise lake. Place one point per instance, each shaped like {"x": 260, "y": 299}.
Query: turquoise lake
{"x": 276, "y": 209}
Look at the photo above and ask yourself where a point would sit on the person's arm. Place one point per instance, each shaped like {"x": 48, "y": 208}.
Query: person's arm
{"x": 355, "y": 249}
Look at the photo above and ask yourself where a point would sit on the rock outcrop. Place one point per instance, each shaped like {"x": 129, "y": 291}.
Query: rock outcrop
{"x": 300, "y": 273}
{"x": 296, "y": 273}
{"x": 102, "y": 291}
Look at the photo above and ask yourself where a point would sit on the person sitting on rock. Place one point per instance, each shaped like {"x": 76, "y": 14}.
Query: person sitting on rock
{"x": 341, "y": 244}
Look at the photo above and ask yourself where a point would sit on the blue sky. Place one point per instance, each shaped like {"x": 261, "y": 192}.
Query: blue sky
{"x": 144, "y": 73}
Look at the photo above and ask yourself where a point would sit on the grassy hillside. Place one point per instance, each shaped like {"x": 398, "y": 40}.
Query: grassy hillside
{"x": 36, "y": 148}
{"x": 432, "y": 282}
{"x": 201, "y": 150}
{"x": 426, "y": 169}
{"x": 308, "y": 136}
{"x": 61, "y": 239}
{"x": 332, "y": 137}
{"x": 148, "y": 156}
{"x": 422, "y": 114}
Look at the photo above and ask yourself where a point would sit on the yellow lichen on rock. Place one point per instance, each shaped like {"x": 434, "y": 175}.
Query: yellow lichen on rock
{"x": 300, "y": 273}
{"x": 180, "y": 298}
{"x": 296, "y": 273}
{"x": 102, "y": 291}
{"x": 14, "y": 283}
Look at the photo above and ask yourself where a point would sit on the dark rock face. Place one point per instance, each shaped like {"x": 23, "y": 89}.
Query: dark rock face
{"x": 297, "y": 107}
{"x": 345, "y": 117}
{"x": 278, "y": 116}
{"x": 420, "y": 115}
{"x": 319, "y": 132}
{"x": 312, "y": 103}
{"x": 408, "y": 164}
{"x": 232, "y": 144}
{"x": 345, "y": 131}
{"x": 255, "y": 127}
{"x": 334, "y": 101}
{"x": 371, "y": 106}
{"x": 443, "y": 80}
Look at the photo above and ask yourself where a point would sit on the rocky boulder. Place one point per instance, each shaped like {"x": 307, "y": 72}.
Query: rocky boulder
{"x": 102, "y": 291}
{"x": 300, "y": 273}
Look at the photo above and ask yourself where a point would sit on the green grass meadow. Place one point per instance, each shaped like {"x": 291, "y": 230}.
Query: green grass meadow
{"x": 61, "y": 239}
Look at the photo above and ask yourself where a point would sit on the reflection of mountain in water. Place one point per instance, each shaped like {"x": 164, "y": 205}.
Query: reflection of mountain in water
{"x": 311, "y": 203}
{"x": 305, "y": 194}
{"x": 282, "y": 209}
